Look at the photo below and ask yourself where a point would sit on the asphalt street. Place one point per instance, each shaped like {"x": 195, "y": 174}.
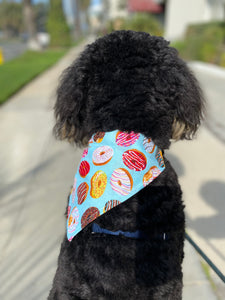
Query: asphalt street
{"x": 12, "y": 49}
{"x": 36, "y": 175}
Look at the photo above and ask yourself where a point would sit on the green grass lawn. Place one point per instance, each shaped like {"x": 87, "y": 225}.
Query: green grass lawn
{"x": 16, "y": 73}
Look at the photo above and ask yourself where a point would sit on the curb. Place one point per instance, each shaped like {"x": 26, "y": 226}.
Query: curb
{"x": 208, "y": 68}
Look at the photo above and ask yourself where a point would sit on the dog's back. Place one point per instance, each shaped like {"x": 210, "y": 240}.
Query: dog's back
{"x": 128, "y": 81}
{"x": 102, "y": 266}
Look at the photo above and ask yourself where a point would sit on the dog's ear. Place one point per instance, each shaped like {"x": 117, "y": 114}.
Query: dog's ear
{"x": 177, "y": 100}
{"x": 70, "y": 107}
{"x": 190, "y": 106}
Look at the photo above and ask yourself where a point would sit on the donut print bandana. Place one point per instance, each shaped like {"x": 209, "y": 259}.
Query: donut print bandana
{"x": 115, "y": 166}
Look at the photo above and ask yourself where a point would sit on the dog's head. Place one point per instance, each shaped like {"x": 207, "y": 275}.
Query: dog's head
{"x": 129, "y": 81}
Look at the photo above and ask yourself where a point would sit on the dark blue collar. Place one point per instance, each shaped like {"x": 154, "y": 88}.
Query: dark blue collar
{"x": 138, "y": 234}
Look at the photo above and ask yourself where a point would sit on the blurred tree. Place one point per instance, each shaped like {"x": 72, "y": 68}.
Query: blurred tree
{"x": 11, "y": 22}
{"x": 84, "y": 5}
{"x": 29, "y": 19}
{"x": 204, "y": 42}
{"x": 57, "y": 26}
{"x": 41, "y": 14}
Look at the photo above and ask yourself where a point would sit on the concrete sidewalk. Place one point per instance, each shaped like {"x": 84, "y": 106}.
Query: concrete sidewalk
{"x": 36, "y": 175}
{"x": 212, "y": 78}
{"x": 200, "y": 165}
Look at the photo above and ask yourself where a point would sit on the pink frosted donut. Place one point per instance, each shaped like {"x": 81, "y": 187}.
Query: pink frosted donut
{"x": 134, "y": 160}
{"x": 68, "y": 211}
{"x": 126, "y": 139}
{"x": 82, "y": 192}
{"x": 73, "y": 220}
{"x": 121, "y": 181}
{"x": 151, "y": 175}
{"x": 85, "y": 152}
{"x": 148, "y": 145}
{"x": 84, "y": 168}
{"x": 102, "y": 155}
{"x": 73, "y": 191}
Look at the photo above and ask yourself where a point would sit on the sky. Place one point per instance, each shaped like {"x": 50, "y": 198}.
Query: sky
{"x": 66, "y": 2}
{"x": 93, "y": 2}
{"x": 67, "y": 7}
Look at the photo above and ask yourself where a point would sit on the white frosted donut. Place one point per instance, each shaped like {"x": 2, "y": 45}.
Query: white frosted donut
{"x": 102, "y": 155}
{"x": 121, "y": 181}
{"x": 148, "y": 145}
{"x": 73, "y": 220}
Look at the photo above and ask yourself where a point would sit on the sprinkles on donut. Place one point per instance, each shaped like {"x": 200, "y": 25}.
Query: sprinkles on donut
{"x": 159, "y": 158}
{"x": 98, "y": 184}
{"x": 126, "y": 139}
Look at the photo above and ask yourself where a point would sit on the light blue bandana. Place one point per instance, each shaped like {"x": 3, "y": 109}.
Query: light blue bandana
{"x": 115, "y": 166}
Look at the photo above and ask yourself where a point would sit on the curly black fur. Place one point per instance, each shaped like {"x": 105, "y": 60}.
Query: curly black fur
{"x": 129, "y": 81}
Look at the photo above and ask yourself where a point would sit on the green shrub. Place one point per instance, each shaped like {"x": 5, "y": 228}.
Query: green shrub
{"x": 199, "y": 29}
{"x": 222, "y": 60}
{"x": 203, "y": 42}
{"x": 144, "y": 22}
{"x": 209, "y": 44}
{"x": 57, "y": 26}
{"x": 137, "y": 22}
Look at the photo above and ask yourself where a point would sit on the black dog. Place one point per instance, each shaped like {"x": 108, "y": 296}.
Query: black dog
{"x": 129, "y": 81}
